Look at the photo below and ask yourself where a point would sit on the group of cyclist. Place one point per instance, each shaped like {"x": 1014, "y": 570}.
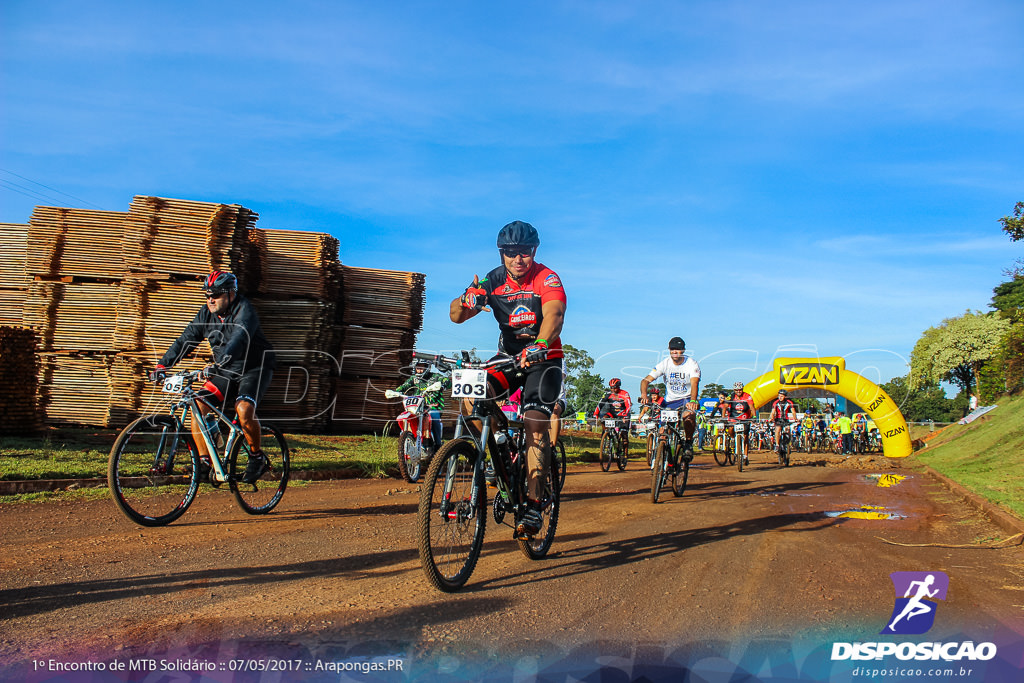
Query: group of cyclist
{"x": 528, "y": 302}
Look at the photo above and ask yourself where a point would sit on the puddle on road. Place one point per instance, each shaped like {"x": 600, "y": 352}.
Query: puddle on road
{"x": 886, "y": 480}
{"x": 866, "y": 512}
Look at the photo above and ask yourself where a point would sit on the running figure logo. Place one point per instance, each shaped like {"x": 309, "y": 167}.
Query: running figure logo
{"x": 914, "y": 612}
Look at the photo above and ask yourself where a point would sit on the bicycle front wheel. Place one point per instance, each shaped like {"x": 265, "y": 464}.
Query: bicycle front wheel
{"x": 535, "y": 547}
{"x": 451, "y": 529}
{"x": 262, "y": 495}
{"x": 607, "y": 451}
{"x": 559, "y": 453}
{"x": 659, "y": 472}
{"x": 150, "y": 470}
{"x": 623, "y": 453}
{"x": 652, "y": 442}
{"x": 680, "y": 471}
{"x": 721, "y": 456}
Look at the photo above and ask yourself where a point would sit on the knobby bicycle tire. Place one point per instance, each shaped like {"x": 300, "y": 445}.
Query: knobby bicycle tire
{"x": 680, "y": 471}
{"x": 143, "y": 487}
{"x": 537, "y": 546}
{"x": 559, "y": 453}
{"x": 622, "y": 453}
{"x": 721, "y": 455}
{"x": 658, "y": 473}
{"x": 652, "y": 443}
{"x": 450, "y": 532}
{"x": 741, "y": 452}
{"x": 607, "y": 451}
{"x": 263, "y": 495}
{"x": 410, "y": 464}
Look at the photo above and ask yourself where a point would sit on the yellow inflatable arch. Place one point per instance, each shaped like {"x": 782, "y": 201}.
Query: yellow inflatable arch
{"x": 831, "y": 374}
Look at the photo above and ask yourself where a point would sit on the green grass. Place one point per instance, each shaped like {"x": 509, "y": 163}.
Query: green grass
{"x": 986, "y": 456}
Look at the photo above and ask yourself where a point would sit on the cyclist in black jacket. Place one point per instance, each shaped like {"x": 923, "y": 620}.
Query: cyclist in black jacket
{"x": 244, "y": 359}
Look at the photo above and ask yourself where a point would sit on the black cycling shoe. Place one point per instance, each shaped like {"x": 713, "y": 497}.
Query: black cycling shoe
{"x": 531, "y": 521}
{"x": 258, "y": 465}
{"x": 688, "y": 449}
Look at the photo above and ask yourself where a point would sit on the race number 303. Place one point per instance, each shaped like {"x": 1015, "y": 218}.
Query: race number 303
{"x": 469, "y": 384}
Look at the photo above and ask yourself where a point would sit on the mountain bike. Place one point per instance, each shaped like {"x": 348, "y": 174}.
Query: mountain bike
{"x": 614, "y": 444}
{"x": 784, "y": 444}
{"x": 154, "y": 470}
{"x": 452, "y": 512}
{"x": 740, "y": 429}
{"x": 722, "y": 444}
{"x": 670, "y": 461}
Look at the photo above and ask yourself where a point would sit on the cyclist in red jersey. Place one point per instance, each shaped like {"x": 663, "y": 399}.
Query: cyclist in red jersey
{"x": 616, "y": 403}
{"x": 782, "y": 409}
{"x": 528, "y": 302}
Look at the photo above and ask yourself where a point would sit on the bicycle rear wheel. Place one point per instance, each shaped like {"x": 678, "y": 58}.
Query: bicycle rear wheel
{"x": 150, "y": 470}
{"x": 607, "y": 451}
{"x": 451, "y": 530}
{"x": 535, "y": 547}
{"x": 659, "y": 472}
{"x": 263, "y": 495}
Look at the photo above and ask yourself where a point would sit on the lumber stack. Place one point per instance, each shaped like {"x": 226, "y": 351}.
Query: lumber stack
{"x": 14, "y": 279}
{"x": 75, "y": 243}
{"x": 153, "y": 311}
{"x": 72, "y": 316}
{"x": 189, "y": 238}
{"x": 300, "y": 264}
{"x": 382, "y": 298}
{"x": 75, "y": 389}
{"x": 19, "y": 367}
{"x": 301, "y": 395}
{"x": 361, "y": 405}
{"x": 376, "y": 352}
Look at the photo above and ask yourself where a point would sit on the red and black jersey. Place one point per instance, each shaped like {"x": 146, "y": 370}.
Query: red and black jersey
{"x": 617, "y": 402}
{"x": 519, "y": 309}
{"x": 780, "y": 409}
{"x": 742, "y": 406}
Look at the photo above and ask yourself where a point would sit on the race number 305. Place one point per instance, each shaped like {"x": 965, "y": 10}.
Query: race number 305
{"x": 469, "y": 384}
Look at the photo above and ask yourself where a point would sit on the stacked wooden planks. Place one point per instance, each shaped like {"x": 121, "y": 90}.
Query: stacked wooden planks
{"x": 300, "y": 264}
{"x": 74, "y": 388}
{"x": 73, "y": 316}
{"x": 14, "y": 279}
{"x": 382, "y": 298}
{"x": 19, "y": 368}
{"x": 181, "y": 237}
{"x": 75, "y": 243}
{"x": 361, "y": 405}
{"x": 108, "y": 292}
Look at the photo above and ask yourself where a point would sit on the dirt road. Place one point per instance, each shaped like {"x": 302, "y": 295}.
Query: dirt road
{"x": 750, "y": 571}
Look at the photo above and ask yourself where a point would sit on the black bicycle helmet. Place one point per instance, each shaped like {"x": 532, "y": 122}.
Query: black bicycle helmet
{"x": 219, "y": 282}
{"x": 518, "y": 234}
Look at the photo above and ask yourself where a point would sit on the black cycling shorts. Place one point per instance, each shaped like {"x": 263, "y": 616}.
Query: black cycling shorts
{"x": 228, "y": 391}
{"x": 541, "y": 384}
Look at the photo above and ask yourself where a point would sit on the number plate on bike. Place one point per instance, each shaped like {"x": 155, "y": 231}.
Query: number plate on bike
{"x": 609, "y": 424}
{"x": 174, "y": 384}
{"x": 469, "y": 383}
{"x": 413, "y": 403}
{"x": 670, "y": 416}
{"x": 740, "y": 427}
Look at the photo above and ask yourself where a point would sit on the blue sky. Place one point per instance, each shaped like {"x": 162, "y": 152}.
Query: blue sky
{"x": 760, "y": 178}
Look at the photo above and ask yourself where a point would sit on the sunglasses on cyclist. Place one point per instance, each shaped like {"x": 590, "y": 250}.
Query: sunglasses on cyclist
{"x": 512, "y": 252}
{"x": 213, "y": 295}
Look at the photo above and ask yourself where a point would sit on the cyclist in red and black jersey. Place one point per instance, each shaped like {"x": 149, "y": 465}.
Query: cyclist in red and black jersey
{"x": 616, "y": 403}
{"x": 783, "y": 410}
{"x": 528, "y": 302}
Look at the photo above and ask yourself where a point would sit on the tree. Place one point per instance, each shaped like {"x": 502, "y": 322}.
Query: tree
{"x": 583, "y": 388}
{"x": 711, "y": 390}
{"x": 924, "y": 401}
{"x": 1008, "y": 297}
{"x": 956, "y": 350}
{"x": 1014, "y": 227}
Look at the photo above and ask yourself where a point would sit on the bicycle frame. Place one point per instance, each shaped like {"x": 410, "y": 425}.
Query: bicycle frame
{"x": 189, "y": 403}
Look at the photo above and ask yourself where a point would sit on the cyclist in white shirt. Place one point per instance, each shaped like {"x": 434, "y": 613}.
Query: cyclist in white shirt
{"x": 682, "y": 377}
